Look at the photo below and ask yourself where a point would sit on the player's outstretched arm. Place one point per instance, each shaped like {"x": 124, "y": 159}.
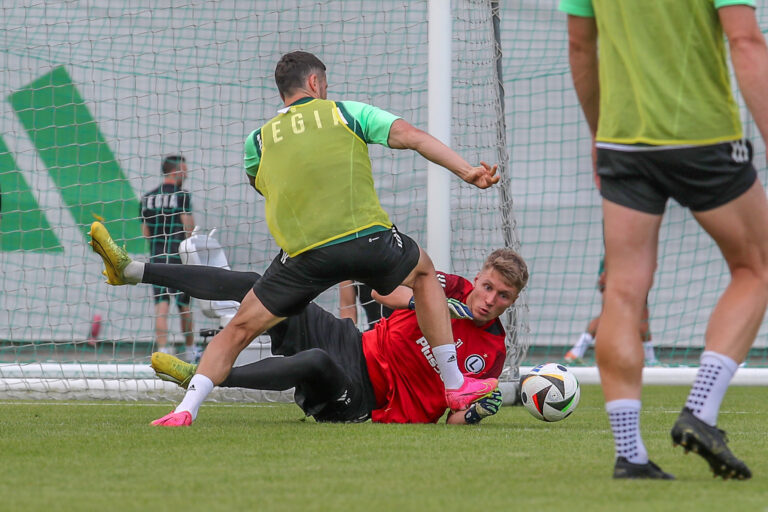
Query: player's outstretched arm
{"x": 403, "y": 135}
{"x": 398, "y": 299}
{"x": 347, "y": 300}
{"x": 749, "y": 55}
{"x": 402, "y": 298}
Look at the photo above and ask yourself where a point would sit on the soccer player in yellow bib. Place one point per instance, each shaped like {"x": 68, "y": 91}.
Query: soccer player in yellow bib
{"x": 311, "y": 164}
{"x": 660, "y": 108}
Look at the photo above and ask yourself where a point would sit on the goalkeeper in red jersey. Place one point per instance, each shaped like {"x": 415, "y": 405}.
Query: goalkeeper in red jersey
{"x": 387, "y": 374}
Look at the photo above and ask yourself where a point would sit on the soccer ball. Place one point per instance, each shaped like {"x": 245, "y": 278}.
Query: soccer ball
{"x": 550, "y": 392}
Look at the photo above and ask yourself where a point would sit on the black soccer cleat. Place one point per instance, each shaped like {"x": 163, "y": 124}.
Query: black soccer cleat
{"x": 629, "y": 470}
{"x": 711, "y": 443}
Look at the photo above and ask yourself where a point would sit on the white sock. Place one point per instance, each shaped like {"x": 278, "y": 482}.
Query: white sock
{"x": 199, "y": 387}
{"x": 581, "y": 346}
{"x": 445, "y": 355}
{"x": 650, "y": 354}
{"x": 712, "y": 379}
{"x": 624, "y": 416}
{"x": 134, "y": 272}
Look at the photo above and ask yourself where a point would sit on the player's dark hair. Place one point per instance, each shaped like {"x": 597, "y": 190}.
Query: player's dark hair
{"x": 293, "y": 69}
{"x": 171, "y": 163}
{"x": 510, "y": 265}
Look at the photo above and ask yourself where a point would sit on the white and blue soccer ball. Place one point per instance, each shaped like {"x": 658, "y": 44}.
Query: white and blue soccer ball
{"x": 550, "y": 392}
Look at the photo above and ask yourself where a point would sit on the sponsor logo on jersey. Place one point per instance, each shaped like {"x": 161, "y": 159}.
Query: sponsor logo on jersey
{"x": 474, "y": 363}
{"x": 160, "y": 201}
{"x": 427, "y": 353}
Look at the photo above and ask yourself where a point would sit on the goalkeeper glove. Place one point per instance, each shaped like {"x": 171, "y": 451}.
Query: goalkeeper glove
{"x": 486, "y": 406}
{"x": 456, "y": 308}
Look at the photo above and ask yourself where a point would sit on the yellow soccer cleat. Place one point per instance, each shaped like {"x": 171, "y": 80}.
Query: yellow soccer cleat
{"x": 172, "y": 369}
{"x": 115, "y": 258}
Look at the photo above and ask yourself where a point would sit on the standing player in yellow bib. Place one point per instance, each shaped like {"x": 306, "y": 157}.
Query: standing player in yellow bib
{"x": 661, "y": 111}
{"x": 311, "y": 164}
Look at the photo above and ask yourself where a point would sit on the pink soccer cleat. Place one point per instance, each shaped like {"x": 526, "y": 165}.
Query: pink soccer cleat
{"x": 471, "y": 391}
{"x": 174, "y": 419}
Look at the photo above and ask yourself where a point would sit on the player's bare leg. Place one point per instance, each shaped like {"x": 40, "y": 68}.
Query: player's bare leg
{"x": 631, "y": 239}
{"x": 435, "y": 323}
{"x": 187, "y": 327}
{"x": 740, "y": 229}
{"x": 576, "y": 353}
{"x": 161, "y": 326}
{"x": 251, "y": 320}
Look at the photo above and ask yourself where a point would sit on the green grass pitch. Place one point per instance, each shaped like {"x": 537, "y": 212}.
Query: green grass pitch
{"x": 105, "y": 457}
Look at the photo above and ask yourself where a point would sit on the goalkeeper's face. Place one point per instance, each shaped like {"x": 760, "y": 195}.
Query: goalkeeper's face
{"x": 490, "y": 297}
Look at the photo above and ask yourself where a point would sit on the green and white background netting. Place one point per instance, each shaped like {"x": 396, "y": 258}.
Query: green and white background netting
{"x": 95, "y": 95}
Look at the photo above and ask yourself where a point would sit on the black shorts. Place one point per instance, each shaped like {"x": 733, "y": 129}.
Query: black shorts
{"x": 163, "y": 294}
{"x": 317, "y": 328}
{"x": 382, "y": 260}
{"x": 700, "y": 178}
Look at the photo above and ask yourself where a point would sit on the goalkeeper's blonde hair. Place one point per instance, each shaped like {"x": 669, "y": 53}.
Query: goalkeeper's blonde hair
{"x": 510, "y": 265}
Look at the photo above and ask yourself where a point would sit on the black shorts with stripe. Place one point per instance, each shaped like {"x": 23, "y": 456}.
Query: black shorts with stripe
{"x": 382, "y": 260}
{"x": 700, "y": 178}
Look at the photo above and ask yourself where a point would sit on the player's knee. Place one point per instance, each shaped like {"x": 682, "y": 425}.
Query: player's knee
{"x": 237, "y": 334}
{"x": 315, "y": 363}
{"x": 628, "y": 294}
{"x": 757, "y": 273}
{"x": 631, "y": 286}
{"x": 751, "y": 265}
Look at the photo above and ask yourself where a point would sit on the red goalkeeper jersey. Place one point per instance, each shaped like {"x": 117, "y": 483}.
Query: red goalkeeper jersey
{"x": 403, "y": 371}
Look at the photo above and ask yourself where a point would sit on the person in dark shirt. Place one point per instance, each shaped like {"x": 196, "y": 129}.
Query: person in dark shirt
{"x": 166, "y": 215}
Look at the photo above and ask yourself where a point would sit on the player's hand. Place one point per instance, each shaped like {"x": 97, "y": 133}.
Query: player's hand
{"x": 486, "y": 406}
{"x": 483, "y": 176}
{"x": 458, "y": 309}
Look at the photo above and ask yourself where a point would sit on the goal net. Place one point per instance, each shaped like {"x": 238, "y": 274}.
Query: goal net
{"x": 95, "y": 96}
{"x": 559, "y": 216}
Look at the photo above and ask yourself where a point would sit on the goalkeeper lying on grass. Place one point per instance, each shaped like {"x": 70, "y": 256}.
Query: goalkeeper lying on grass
{"x": 387, "y": 374}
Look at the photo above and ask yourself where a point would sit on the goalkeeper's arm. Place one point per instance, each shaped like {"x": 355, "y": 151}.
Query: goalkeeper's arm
{"x": 398, "y": 299}
{"x": 477, "y": 411}
{"x": 402, "y": 298}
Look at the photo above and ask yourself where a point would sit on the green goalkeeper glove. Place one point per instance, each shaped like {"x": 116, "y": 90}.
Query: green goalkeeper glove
{"x": 486, "y": 406}
{"x": 456, "y": 308}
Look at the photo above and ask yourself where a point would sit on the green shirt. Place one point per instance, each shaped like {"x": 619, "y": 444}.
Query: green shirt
{"x": 161, "y": 210}
{"x": 663, "y": 73}
{"x": 311, "y": 164}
